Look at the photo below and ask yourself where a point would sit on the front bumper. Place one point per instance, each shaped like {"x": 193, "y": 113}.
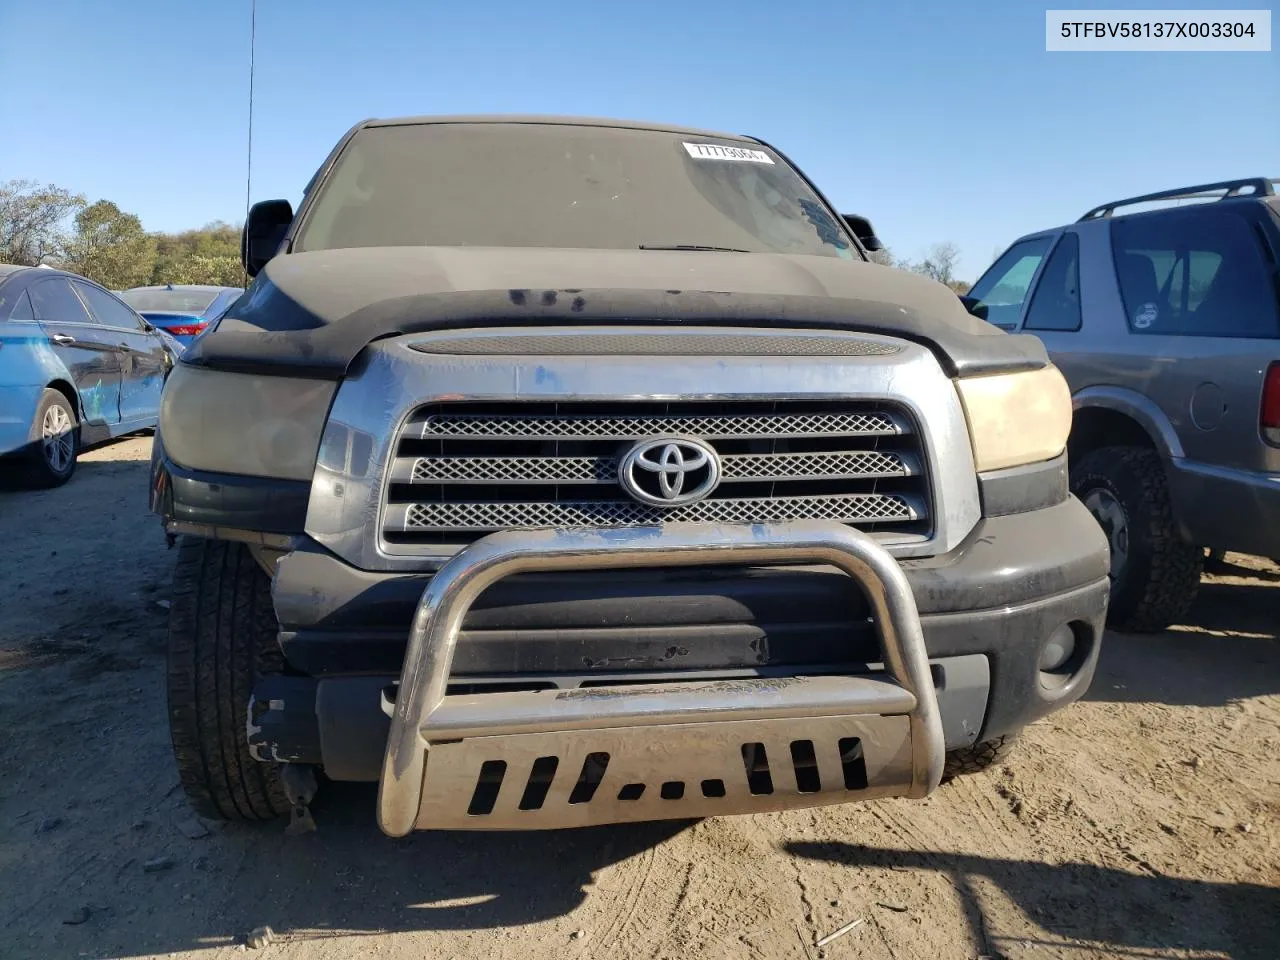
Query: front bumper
{"x": 997, "y": 597}
{"x": 985, "y": 611}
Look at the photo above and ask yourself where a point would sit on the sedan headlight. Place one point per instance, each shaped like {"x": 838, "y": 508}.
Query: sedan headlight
{"x": 245, "y": 424}
{"x": 1017, "y": 418}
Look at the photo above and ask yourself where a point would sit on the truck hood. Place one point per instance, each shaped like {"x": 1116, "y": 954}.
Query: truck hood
{"x": 312, "y": 313}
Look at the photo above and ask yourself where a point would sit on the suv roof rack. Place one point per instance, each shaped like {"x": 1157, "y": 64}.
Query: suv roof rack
{"x": 1262, "y": 187}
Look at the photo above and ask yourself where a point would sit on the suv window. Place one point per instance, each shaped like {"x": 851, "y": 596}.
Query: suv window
{"x": 1197, "y": 273}
{"x": 1003, "y": 288}
{"x": 107, "y": 309}
{"x": 1055, "y": 305}
{"x": 55, "y": 302}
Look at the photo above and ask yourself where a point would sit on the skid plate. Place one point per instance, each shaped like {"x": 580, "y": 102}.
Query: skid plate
{"x": 662, "y": 772}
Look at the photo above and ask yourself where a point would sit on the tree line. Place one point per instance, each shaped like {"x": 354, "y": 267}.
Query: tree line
{"x": 44, "y": 223}
{"x": 939, "y": 264}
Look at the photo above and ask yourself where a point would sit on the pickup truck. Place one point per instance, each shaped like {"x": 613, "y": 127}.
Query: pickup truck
{"x": 555, "y": 472}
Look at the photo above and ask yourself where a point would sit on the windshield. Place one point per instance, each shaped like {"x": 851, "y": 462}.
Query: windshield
{"x": 170, "y": 301}
{"x": 562, "y": 185}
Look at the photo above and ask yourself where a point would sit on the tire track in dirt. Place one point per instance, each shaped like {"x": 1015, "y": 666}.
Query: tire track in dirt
{"x": 634, "y": 889}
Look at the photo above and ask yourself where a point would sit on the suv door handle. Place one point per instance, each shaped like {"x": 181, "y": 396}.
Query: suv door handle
{"x": 62, "y": 339}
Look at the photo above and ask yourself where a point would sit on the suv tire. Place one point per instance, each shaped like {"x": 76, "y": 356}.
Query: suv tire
{"x": 979, "y": 757}
{"x": 222, "y": 637}
{"x": 1154, "y": 574}
{"x": 51, "y": 459}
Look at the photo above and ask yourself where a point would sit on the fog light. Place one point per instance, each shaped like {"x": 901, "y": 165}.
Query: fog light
{"x": 1059, "y": 649}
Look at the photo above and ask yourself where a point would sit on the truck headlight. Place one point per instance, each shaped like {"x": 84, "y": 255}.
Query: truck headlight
{"x": 1017, "y": 418}
{"x": 245, "y": 424}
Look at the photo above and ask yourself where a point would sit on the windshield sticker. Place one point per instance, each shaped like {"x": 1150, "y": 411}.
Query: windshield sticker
{"x": 1146, "y": 316}
{"x": 714, "y": 151}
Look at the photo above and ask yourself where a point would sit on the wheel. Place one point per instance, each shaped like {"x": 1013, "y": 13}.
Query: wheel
{"x": 54, "y": 440}
{"x": 978, "y": 757}
{"x": 222, "y": 637}
{"x": 1154, "y": 574}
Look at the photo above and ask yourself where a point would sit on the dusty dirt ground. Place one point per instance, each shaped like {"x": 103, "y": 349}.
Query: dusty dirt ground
{"x": 1142, "y": 822}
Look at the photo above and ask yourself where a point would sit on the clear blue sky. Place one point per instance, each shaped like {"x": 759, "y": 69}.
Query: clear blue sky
{"x": 939, "y": 120}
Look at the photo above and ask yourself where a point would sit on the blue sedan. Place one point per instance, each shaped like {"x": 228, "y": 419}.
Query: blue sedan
{"x": 182, "y": 310}
{"x": 77, "y": 367}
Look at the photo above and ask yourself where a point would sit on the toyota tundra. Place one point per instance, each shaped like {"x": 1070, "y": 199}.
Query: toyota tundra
{"x": 554, "y": 472}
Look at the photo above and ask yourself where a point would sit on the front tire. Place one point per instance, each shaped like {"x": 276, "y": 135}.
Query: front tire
{"x": 222, "y": 637}
{"x": 979, "y": 757}
{"x": 1154, "y": 574}
{"x": 54, "y": 440}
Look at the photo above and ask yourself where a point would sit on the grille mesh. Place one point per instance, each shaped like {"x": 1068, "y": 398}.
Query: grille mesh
{"x": 434, "y": 426}
{"x": 866, "y": 463}
{"x": 851, "y": 508}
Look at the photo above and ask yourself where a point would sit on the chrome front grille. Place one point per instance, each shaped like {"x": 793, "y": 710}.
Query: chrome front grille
{"x": 460, "y": 470}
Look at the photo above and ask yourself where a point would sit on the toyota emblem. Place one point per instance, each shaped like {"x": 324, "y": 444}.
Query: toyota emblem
{"x": 669, "y": 471}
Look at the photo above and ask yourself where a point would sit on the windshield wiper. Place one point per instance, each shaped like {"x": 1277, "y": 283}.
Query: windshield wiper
{"x": 690, "y": 246}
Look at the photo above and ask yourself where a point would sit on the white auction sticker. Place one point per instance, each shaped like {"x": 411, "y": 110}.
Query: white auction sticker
{"x": 714, "y": 151}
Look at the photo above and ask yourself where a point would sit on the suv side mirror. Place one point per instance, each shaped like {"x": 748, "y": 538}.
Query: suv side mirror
{"x": 974, "y": 306}
{"x": 863, "y": 230}
{"x": 264, "y": 228}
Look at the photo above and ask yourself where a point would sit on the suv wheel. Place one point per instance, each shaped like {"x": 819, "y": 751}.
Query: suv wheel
{"x": 54, "y": 441}
{"x": 1154, "y": 574}
{"x": 222, "y": 637}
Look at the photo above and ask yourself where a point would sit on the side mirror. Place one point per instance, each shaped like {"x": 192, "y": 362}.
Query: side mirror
{"x": 974, "y": 306}
{"x": 264, "y": 228}
{"x": 863, "y": 230}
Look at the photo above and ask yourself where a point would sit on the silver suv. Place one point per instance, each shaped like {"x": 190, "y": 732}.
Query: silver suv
{"x": 1165, "y": 323}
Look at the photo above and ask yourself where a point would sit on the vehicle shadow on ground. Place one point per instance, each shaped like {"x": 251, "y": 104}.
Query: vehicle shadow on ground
{"x": 97, "y": 459}
{"x": 1228, "y": 650}
{"x": 1240, "y": 921}
{"x": 1229, "y": 568}
{"x": 349, "y": 880}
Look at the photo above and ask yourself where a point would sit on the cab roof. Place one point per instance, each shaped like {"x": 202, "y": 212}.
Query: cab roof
{"x": 552, "y": 120}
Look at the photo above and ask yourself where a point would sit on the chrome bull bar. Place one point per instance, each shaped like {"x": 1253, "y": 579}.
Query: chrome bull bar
{"x": 556, "y": 758}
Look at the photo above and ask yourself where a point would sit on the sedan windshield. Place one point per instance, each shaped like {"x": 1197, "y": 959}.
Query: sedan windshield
{"x": 565, "y": 185}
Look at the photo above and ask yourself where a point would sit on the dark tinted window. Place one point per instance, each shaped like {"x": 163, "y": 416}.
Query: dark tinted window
{"x": 54, "y": 301}
{"x": 19, "y": 308}
{"x": 1003, "y": 288}
{"x": 1195, "y": 272}
{"x": 561, "y": 185}
{"x": 1055, "y": 305}
{"x": 162, "y": 300}
{"x": 107, "y": 309}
